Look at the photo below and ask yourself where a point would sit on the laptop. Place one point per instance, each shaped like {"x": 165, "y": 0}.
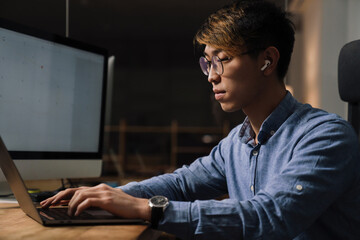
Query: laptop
{"x": 54, "y": 215}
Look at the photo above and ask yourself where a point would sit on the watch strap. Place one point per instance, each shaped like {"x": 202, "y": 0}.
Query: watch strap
{"x": 156, "y": 215}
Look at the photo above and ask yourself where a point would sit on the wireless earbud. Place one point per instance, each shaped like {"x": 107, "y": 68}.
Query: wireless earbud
{"x": 267, "y": 63}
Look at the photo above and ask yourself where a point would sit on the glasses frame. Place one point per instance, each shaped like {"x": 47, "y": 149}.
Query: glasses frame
{"x": 215, "y": 62}
{"x": 215, "y": 59}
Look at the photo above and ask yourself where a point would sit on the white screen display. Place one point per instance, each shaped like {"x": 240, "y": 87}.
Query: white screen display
{"x": 50, "y": 95}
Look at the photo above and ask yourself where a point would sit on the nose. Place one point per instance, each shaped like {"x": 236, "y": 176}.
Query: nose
{"x": 213, "y": 76}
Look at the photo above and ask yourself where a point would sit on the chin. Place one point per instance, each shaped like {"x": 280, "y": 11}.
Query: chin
{"x": 229, "y": 108}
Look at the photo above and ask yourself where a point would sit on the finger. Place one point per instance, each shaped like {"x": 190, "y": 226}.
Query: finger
{"x": 61, "y": 203}
{"x": 75, "y": 193}
{"x": 87, "y": 203}
{"x": 77, "y": 196}
{"x": 55, "y": 200}
{"x": 86, "y": 192}
{"x": 45, "y": 203}
{"x": 81, "y": 196}
{"x": 48, "y": 202}
{"x": 66, "y": 194}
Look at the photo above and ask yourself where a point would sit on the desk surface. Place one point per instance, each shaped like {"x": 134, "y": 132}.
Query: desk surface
{"x": 15, "y": 224}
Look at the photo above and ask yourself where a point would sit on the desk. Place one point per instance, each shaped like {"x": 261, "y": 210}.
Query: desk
{"x": 15, "y": 224}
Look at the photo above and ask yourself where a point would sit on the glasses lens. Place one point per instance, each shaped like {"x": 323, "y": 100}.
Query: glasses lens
{"x": 217, "y": 65}
{"x": 204, "y": 65}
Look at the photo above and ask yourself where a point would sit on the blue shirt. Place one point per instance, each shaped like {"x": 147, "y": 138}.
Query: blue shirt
{"x": 301, "y": 181}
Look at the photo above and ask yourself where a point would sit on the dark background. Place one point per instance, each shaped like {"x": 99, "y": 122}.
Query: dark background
{"x": 157, "y": 78}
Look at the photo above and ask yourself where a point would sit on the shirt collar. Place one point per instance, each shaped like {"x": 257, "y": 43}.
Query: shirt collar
{"x": 271, "y": 124}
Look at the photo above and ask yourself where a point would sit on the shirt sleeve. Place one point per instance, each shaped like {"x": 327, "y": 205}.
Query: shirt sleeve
{"x": 323, "y": 166}
{"x": 322, "y": 171}
{"x": 203, "y": 179}
{"x": 187, "y": 188}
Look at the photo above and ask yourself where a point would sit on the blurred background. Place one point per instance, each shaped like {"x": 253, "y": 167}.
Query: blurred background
{"x": 163, "y": 114}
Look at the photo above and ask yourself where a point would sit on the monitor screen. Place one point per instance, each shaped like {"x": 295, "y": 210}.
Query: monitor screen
{"x": 52, "y": 92}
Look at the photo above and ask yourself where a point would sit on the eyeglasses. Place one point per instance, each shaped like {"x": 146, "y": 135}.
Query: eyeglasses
{"x": 216, "y": 63}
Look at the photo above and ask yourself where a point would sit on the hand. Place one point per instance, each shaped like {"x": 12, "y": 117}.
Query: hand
{"x": 61, "y": 198}
{"x": 113, "y": 200}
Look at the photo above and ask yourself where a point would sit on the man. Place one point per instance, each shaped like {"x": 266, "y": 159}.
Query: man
{"x": 291, "y": 171}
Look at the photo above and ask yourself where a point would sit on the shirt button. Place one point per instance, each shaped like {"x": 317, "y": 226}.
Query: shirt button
{"x": 272, "y": 132}
{"x": 299, "y": 187}
{"x": 252, "y": 188}
{"x": 255, "y": 153}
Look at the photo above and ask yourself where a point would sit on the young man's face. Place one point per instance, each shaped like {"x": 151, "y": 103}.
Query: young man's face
{"x": 241, "y": 82}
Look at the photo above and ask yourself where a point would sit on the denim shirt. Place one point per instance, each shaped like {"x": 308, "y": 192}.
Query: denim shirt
{"x": 301, "y": 181}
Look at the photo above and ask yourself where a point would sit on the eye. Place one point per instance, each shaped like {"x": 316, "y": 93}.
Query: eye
{"x": 224, "y": 59}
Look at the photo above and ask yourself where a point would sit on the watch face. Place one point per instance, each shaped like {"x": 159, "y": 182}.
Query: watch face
{"x": 159, "y": 201}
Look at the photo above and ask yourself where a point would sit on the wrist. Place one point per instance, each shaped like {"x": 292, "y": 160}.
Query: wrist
{"x": 144, "y": 209}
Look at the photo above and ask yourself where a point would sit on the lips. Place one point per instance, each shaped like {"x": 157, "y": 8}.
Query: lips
{"x": 219, "y": 94}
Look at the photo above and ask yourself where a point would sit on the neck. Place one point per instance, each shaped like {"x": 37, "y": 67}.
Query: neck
{"x": 264, "y": 106}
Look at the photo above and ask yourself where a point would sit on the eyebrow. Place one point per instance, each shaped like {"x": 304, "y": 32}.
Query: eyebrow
{"x": 214, "y": 52}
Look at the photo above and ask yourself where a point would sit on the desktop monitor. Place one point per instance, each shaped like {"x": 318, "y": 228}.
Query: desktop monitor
{"x": 52, "y": 103}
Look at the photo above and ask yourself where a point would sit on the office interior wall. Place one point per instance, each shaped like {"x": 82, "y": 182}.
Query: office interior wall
{"x": 334, "y": 32}
{"x": 312, "y": 22}
{"x": 353, "y": 20}
{"x": 323, "y": 27}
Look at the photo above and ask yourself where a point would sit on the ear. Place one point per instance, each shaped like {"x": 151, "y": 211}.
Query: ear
{"x": 270, "y": 54}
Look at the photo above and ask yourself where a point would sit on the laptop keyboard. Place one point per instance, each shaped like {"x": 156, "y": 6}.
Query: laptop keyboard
{"x": 38, "y": 197}
{"x": 61, "y": 214}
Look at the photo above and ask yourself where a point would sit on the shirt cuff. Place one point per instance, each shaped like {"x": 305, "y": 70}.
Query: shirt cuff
{"x": 179, "y": 219}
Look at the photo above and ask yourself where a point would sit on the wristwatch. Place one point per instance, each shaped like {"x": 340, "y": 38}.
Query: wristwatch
{"x": 158, "y": 205}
